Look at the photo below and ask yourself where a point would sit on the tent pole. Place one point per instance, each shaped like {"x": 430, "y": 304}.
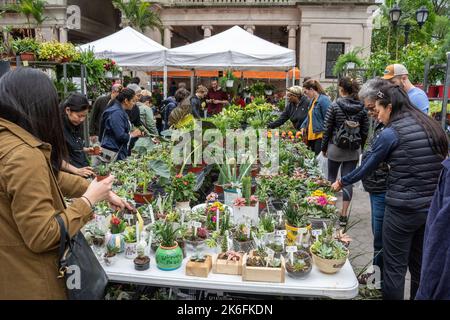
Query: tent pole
{"x": 165, "y": 82}
{"x": 293, "y": 76}
{"x": 192, "y": 82}
{"x": 287, "y": 86}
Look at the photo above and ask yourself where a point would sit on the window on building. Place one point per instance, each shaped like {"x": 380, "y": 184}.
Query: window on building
{"x": 334, "y": 50}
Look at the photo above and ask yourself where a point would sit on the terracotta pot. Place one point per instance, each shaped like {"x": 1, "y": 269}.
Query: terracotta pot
{"x": 218, "y": 188}
{"x": 432, "y": 91}
{"x": 27, "y": 56}
{"x": 195, "y": 170}
{"x": 441, "y": 92}
{"x": 97, "y": 151}
{"x": 143, "y": 198}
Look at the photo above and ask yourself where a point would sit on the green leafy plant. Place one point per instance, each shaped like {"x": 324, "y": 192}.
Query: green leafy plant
{"x": 138, "y": 14}
{"x": 117, "y": 225}
{"x": 182, "y": 187}
{"x": 295, "y": 214}
{"x": 130, "y": 236}
{"x": 57, "y": 51}
{"x": 167, "y": 234}
{"x": 25, "y": 45}
{"x": 327, "y": 247}
{"x": 242, "y": 233}
{"x": 344, "y": 59}
{"x": 266, "y": 224}
{"x": 30, "y": 8}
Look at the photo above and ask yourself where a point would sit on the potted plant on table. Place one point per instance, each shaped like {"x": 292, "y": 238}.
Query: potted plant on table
{"x": 247, "y": 207}
{"x": 329, "y": 254}
{"x": 143, "y": 195}
{"x": 258, "y": 265}
{"x": 130, "y": 243}
{"x": 230, "y": 178}
{"x": 168, "y": 255}
{"x": 116, "y": 237}
{"x": 242, "y": 238}
{"x": 26, "y": 48}
{"x": 110, "y": 256}
{"x": 57, "y": 52}
{"x": 299, "y": 265}
{"x": 228, "y": 261}
{"x": 199, "y": 265}
{"x": 297, "y": 223}
{"x": 141, "y": 262}
{"x": 182, "y": 188}
{"x": 266, "y": 228}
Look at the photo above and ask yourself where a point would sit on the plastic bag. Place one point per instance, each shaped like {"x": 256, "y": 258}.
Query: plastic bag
{"x": 323, "y": 164}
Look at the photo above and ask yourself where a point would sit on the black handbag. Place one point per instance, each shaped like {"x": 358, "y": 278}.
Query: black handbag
{"x": 84, "y": 277}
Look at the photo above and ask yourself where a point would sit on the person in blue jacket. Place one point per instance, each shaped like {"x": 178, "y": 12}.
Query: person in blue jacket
{"x": 313, "y": 125}
{"x": 435, "y": 278}
{"x": 414, "y": 146}
{"x": 115, "y": 126}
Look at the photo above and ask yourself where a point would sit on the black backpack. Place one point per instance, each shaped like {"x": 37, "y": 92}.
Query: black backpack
{"x": 348, "y": 135}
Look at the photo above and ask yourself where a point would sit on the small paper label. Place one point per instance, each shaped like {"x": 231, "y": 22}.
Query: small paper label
{"x": 316, "y": 233}
{"x": 279, "y": 213}
{"x": 291, "y": 249}
{"x": 270, "y": 252}
{"x": 197, "y": 224}
{"x": 302, "y": 230}
{"x": 281, "y": 233}
{"x": 150, "y": 211}
{"x": 128, "y": 216}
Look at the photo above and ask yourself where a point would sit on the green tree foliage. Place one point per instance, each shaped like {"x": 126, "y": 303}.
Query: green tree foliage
{"x": 138, "y": 14}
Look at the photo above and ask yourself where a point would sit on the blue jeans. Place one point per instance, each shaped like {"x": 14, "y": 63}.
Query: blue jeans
{"x": 377, "y": 203}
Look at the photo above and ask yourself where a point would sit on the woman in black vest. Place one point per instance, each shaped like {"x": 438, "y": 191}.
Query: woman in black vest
{"x": 414, "y": 147}
{"x": 74, "y": 112}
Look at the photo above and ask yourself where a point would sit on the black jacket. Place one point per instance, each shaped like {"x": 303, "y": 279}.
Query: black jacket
{"x": 196, "y": 104}
{"x": 75, "y": 144}
{"x": 99, "y": 107}
{"x": 336, "y": 116}
{"x": 376, "y": 182}
{"x": 296, "y": 113}
{"x": 414, "y": 167}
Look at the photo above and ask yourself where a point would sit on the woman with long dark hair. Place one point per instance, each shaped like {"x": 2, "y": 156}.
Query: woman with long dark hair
{"x": 344, "y": 156}
{"x": 414, "y": 147}
{"x": 115, "y": 128}
{"x": 32, "y": 188}
{"x": 74, "y": 112}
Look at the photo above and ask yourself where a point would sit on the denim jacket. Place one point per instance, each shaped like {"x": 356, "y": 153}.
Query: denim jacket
{"x": 319, "y": 113}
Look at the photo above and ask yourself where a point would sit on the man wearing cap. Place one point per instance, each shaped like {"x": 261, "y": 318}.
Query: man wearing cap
{"x": 296, "y": 110}
{"x": 398, "y": 74}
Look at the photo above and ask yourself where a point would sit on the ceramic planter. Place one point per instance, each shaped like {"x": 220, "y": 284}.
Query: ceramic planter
{"x": 116, "y": 240}
{"x": 229, "y": 196}
{"x": 230, "y": 83}
{"x": 142, "y": 264}
{"x": 169, "y": 258}
{"x": 223, "y": 266}
{"x": 218, "y": 188}
{"x": 131, "y": 250}
{"x": 294, "y": 232}
{"x": 245, "y": 214}
{"x": 109, "y": 260}
{"x": 263, "y": 274}
{"x": 199, "y": 269}
{"x": 329, "y": 266}
{"x": 27, "y": 56}
{"x": 182, "y": 205}
{"x": 244, "y": 246}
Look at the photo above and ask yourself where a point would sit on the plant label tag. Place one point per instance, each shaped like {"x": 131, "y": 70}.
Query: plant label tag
{"x": 270, "y": 252}
{"x": 316, "y": 233}
{"x": 247, "y": 226}
{"x": 150, "y": 212}
{"x": 302, "y": 230}
{"x": 128, "y": 217}
{"x": 197, "y": 224}
{"x": 282, "y": 233}
{"x": 279, "y": 213}
{"x": 239, "y": 192}
{"x": 291, "y": 249}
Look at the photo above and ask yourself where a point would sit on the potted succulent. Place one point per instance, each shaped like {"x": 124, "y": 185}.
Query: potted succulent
{"x": 116, "y": 237}
{"x": 329, "y": 254}
{"x": 228, "y": 261}
{"x": 182, "y": 188}
{"x": 130, "y": 243}
{"x": 199, "y": 265}
{"x": 102, "y": 172}
{"x": 266, "y": 228}
{"x": 242, "y": 239}
{"x": 26, "y": 48}
{"x": 168, "y": 255}
{"x": 195, "y": 238}
{"x": 230, "y": 178}
{"x": 259, "y": 266}
{"x": 299, "y": 265}
{"x": 246, "y": 208}
{"x": 141, "y": 262}
{"x": 110, "y": 256}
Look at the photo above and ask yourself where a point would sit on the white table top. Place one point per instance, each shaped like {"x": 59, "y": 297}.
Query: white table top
{"x": 342, "y": 285}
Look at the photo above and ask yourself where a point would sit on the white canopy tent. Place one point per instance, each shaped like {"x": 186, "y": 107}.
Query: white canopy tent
{"x": 234, "y": 48}
{"x": 131, "y": 49}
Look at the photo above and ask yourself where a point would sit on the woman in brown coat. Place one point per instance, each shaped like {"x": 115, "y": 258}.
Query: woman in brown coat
{"x": 32, "y": 188}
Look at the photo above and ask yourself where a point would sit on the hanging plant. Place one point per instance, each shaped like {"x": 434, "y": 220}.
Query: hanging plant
{"x": 351, "y": 57}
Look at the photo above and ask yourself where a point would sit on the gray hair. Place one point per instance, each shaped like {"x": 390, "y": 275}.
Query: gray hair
{"x": 370, "y": 89}
{"x": 135, "y": 88}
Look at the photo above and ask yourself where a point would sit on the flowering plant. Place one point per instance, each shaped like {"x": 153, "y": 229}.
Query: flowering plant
{"x": 111, "y": 66}
{"x": 242, "y": 202}
{"x": 183, "y": 187}
{"x": 212, "y": 197}
{"x": 320, "y": 198}
{"x": 211, "y": 214}
{"x": 117, "y": 225}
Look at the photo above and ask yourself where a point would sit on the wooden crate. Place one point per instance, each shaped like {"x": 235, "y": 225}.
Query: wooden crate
{"x": 227, "y": 267}
{"x": 262, "y": 274}
{"x": 199, "y": 269}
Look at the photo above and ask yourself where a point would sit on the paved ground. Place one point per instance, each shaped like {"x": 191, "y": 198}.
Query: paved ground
{"x": 361, "y": 248}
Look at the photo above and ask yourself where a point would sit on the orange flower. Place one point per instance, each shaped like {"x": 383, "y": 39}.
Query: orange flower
{"x": 283, "y": 134}
{"x": 179, "y": 176}
{"x": 290, "y": 133}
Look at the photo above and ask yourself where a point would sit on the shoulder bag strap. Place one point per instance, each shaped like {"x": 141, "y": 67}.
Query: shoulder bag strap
{"x": 64, "y": 238}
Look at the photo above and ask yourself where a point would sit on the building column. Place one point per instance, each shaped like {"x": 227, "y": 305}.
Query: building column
{"x": 63, "y": 35}
{"x": 292, "y": 40}
{"x": 207, "y": 31}
{"x": 367, "y": 39}
{"x": 305, "y": 33}
{"x": 168, "y": 37}
{"x": 249, "y": 28}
